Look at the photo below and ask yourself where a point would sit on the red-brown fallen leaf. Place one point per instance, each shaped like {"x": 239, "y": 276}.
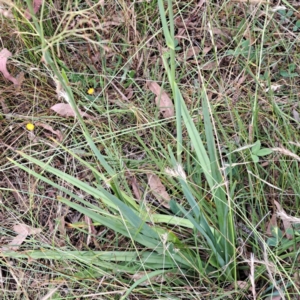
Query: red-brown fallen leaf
{"x": 240, "y": 80}
{"x": 158, "y": 190}
{"x": 36, "y": 6}
{"x": 210, "y": 65}
{"x": 49, "y": 128}
{"x": 129, "y": 93}
{"x": 199, "y": 5}
{"x": 65, "y": 110}
{"x": 4, "y": 55}
{"x": 135, "y": 188}
{"x": 220, "y": 32}
{"x": 162, "y": 100}
{"x": 17, "y": 195}
{"x": 242, "y": 284}
{"x": 20, "y": 79}
{"x": 23, "y": 231}
{"x": 206, "y": 50}
{"x": 191, "y": 52}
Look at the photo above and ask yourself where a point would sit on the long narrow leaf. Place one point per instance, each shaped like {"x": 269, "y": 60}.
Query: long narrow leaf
{"x": 197, "y": 142}
{"x": 141, "y": 234}
{"x": 102, "y": 194}
{"x": 105, "y": 259}
{"x": 169, "y": 40}
{"x": 209, "y": 238}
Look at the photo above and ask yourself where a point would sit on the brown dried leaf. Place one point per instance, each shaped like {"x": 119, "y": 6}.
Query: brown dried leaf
{"x": 219, "y": 31}
{"x": 135, "y": 188}
{"x": 286, "y": 222}
{"x": 272, "y": 223}
{"x": 20, "y": 228}
{"x": 49, "y": 128}
{"x": 191, "y": 52}
{"x": 241, "y": 80}
{"x": 296, "y": 115}
{"x": 23, "y": 231}
{"x": 162, "y": 100}
{"x": 65, "y": 110}
{"x": 6, "y": 13}
{"x": 129, "y": 93}
{"x": 206, "y": 49}
{"x": 158, "y": 190}
{"x": 36, "y": 6}
{"x": 242, "y": 284}
{"x": 185, "y": 23}
{"x": 17, "y": 195}
{"x": 20, "y": 79}
{"x": 210, "y": 65}
{"x": 199, "y": 5}
{"x": 4, "y": 55}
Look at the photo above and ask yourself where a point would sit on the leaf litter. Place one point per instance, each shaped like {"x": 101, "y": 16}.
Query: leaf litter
{"x": 4, "y": 55}
{"x": 162, "y": 100}
{"x": 158, "y": 190}
{"x": 50, "y": 128}
{"x": 208, "y": 68}
{"x": 65, "y": 110}
{"x": 286, "y": 220}
{"x": 22, "y": 231}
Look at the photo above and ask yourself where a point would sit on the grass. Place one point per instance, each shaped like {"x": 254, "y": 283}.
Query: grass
{"x": 229, "y": 152}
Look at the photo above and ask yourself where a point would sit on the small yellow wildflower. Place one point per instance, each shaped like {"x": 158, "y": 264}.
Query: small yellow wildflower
{"x": 30, "y": 126}
{"x": 91, "y": 91}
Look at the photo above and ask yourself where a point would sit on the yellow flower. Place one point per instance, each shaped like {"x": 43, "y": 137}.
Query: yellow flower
{"x": 30, "y": 126}
{"x": 91, "y": 91}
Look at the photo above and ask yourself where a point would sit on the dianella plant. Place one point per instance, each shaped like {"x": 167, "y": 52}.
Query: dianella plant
{"x": 218, "y": 230}
{"x": 205, "y": 211}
